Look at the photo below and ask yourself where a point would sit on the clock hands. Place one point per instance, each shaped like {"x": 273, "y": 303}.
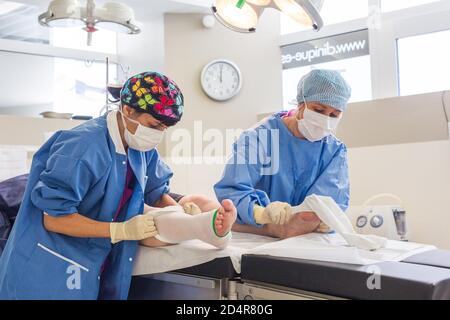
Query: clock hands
{"x": 219, "y": 83}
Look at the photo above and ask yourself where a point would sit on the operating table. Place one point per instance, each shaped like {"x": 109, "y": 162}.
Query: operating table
{"x": 425, "y": 276}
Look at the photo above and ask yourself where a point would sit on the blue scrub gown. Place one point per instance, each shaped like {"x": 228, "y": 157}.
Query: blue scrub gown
{"x": 78, "y": 171}
{"x": 261, "y": 170}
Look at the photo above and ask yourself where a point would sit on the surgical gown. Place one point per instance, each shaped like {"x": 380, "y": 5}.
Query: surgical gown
{"x": 270, "y": 164}
{"x": 78, "y": 171}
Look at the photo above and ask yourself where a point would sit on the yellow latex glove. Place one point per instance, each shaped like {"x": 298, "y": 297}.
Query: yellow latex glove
{"x": 323, "y": 228}
{"x": 191, "y": 208}
{"x": 276, "y": 213}
{"x": 139, "y": 227}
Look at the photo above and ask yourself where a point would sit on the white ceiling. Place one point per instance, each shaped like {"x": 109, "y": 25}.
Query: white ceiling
{"x": 145, "y": 9}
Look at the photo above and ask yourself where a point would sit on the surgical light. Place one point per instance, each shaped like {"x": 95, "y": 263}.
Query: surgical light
{"x": 293, "y": 9}
{"x": 259, "y": 2}
{"x": 117, "y": 17}
{"x": 243, "y": 15}
{"x": 69, "y": 13}
{"x": 62, "y": 13}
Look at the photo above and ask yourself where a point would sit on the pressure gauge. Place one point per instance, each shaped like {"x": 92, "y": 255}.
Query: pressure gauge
{"x": 361, "y": 221}
{"x": 376, "y": 221}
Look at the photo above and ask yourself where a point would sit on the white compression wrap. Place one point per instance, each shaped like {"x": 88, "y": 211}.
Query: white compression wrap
{"x": 175, "y": 226}
{"x": 329, "y": 212}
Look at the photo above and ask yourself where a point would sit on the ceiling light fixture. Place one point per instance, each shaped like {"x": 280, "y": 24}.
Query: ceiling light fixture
{"x": 112, "y": 16}
{"x": 243, "y": 15}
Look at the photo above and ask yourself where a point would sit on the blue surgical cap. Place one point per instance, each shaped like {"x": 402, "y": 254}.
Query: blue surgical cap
{"x": 326, "y": 87}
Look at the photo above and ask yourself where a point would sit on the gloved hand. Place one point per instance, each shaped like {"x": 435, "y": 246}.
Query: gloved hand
{"x": 191, "y": 208}
{"x": 139, "y": 227}
{"x": 276, "y": 213}
{"x": 323, "y": 228}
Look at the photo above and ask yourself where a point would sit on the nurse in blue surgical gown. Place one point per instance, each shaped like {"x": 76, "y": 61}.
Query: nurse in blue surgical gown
{"x": 287, "y": 157}
{"x": 80, "y": 221}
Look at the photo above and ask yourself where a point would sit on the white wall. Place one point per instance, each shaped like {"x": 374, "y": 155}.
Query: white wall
{"x": 25, "y": 135}
{"x": 189, "y": 47}
{"x": 17, "y": 130}
{"x": 145, "y": 51}
{"x": 191, "y": 178}
{"x": 21, "y": 91}
{"x": 419, "y": 173}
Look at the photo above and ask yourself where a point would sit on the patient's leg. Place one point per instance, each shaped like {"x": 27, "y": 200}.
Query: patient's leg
{"x": 300, "y": 224}
{"x": 154, "y": 243}
{"x": 244, "y": 228}
{"x": 211, "y": 227}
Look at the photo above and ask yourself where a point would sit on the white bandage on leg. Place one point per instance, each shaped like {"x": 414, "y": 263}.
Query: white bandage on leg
{"x": 175, "y": 226}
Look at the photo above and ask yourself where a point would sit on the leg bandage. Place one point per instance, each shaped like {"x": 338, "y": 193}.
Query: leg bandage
{"x": 175, "y": 226}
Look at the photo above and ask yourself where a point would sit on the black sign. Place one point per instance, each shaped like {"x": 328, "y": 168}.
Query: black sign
{"x": 343, "y": 46}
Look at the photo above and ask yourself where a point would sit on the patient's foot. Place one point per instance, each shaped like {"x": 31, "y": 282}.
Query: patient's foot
{"x": 225, "y": 218}
{"x": 300, "y": 224}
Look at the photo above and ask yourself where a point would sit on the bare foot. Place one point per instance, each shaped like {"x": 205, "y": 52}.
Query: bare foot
{"x": 225, "y": 218}
{"x": 300, "y": 224}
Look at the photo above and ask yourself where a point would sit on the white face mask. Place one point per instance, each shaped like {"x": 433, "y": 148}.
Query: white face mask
{"x": 315, "y": 126}
{"x": 144, "y": 139}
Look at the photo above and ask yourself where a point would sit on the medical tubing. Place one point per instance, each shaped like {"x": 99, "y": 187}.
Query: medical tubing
{"x": 381, "y": 195}
{"x": 390, "y": 195}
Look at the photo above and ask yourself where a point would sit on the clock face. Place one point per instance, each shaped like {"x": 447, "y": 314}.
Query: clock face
{"x": 221, "y": 80}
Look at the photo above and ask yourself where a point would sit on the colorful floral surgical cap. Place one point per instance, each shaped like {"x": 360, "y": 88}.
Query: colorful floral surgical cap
{"x": 154, "y": 93}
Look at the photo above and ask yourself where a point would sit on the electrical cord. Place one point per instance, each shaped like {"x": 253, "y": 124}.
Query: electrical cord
{"x": 444, "y": 105}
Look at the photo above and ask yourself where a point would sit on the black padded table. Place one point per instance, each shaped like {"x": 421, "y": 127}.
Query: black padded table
{"x": 220, "y": 268}
{"x": 435, "y": 258}
{"x": 424, "y": 276}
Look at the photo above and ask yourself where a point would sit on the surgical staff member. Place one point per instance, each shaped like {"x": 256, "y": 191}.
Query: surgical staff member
{"x": 78, "y": 228}
{"x": 311, "y": 160}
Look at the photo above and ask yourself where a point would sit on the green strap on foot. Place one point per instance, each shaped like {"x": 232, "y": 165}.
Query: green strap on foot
{"x": 214, "y": 226}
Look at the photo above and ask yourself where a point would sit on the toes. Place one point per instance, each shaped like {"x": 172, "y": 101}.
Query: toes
{"x": 228, "y": 205}
{"x": 219, "y": 219}
{"x": 221, "y": 210}
{"x": 225, "y": 214}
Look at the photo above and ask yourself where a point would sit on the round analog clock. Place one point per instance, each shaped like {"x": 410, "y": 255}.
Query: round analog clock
{"x": 221, "y": 80}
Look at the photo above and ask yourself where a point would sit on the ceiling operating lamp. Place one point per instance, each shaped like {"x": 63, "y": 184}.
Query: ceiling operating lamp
{"x": 243, "y": 15}
{"x": 113, "y": 16}
{"x": 117, "y": 17}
